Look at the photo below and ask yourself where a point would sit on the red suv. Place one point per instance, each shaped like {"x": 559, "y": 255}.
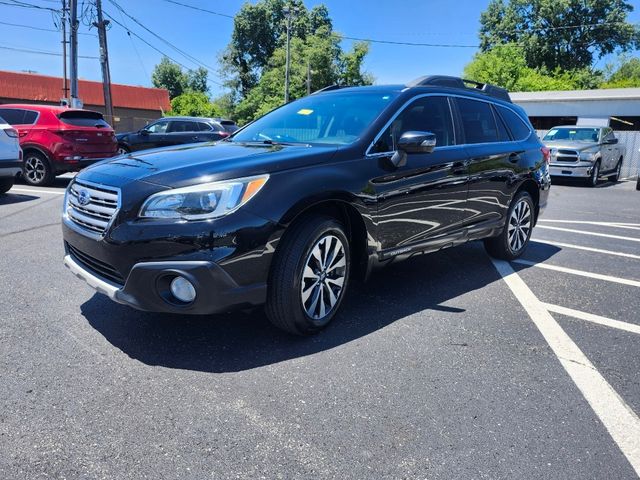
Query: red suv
{"x": 57, "y": 140}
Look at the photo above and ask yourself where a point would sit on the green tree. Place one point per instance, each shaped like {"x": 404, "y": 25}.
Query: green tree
{"x": 169, "y": 75}
{"x": 566, "y": 34}
{"x": 625, "y": 75}
{"x": 506, "y": 66}
{"x": 193, "y": 104}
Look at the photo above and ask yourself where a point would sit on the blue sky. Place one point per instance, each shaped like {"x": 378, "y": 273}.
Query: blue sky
{"x": 204, "y": 36}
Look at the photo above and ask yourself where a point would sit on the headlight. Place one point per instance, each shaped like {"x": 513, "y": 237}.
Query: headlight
{"x": 588, "y": 156}
{"x": 205, "y": 201}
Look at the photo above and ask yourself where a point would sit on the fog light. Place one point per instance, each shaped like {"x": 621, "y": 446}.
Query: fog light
{"x": 183, "y": 289}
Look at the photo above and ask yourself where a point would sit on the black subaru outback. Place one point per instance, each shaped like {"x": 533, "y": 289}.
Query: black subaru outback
{"x": 288, "y": 209}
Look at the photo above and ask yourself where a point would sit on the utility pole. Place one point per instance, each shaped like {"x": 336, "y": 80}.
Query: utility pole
{"x": 101, "y": 24}
{"x": 75, "y": 100}
{"x": 65, "y": 84}
{"x": 288, "y": 12}
{"x": 308, "y": 77}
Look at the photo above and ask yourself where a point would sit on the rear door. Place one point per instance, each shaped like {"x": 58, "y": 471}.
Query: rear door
{"x": 182, "y": 131}
{"x": 209, "y": 132}
{"x": 493, "y": 159}
{"x": 89, "y": 133}
{"x": 609, "y": 150}
{"x": 425, "y": 200}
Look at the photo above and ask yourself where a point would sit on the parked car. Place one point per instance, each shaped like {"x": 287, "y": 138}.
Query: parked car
{"x": 584, "y": 152}
{"x": 292, "y": 205}
{"x": 10, "y": 156}
{"x": 56, "y": 140}
{"x": 170, "y": 131}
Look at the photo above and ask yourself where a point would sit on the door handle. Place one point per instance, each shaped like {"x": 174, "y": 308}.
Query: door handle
{"x": 515, "y": 158}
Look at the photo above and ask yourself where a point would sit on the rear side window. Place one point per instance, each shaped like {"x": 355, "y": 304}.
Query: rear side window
{"x": 519, "y": 129}
{"x": 18, "y": 116}
{"x": 478, "y": 121}
{"x": 204, "y": 127}
{"x": 428, "y": 114}
{"x": 80, "y": 118}
{"x": 177, "y": 126}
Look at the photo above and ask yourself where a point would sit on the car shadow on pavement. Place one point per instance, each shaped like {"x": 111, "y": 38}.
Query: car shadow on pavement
{"x": 12, "y": 198}
{"x": 240, "y": 341}
{"x": 580, "y": 182}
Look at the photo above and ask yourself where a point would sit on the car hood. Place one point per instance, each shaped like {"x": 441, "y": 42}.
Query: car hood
{"x": 185, "y": 165}
{"x": 579, "y": 146}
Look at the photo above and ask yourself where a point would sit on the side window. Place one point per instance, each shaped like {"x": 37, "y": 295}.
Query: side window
{"x": 478, "y": 121}
{"x": 519, "y": 129}
{"x": 158, "y": 127}
{"x": 428, "y": 114}
{"x": 608, "y": 135}
{"x": 30, "y": 117}
{"x": 204, "y": 127}
{"x": 503, "y": 132}
{"x": 180, "y": 126}
{"x": 13, "y": 116}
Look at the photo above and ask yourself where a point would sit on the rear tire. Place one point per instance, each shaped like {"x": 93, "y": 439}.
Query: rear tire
{"x": 616, "y": 176}
{"x": 6, "y": 184}
{"x": 309, "y": 277}
{"x": 36, "y": 170}
{"x": 514, "y": 238}
{"x": 122, "y": 150}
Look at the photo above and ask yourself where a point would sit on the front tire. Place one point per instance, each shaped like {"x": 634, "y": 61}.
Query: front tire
{"x": 514, "y": 238}
{"x": 595, "y": 174}
{"x": 5, "y": 184}
{"x": 37, "y": 170}
{"x": 310, "y": 276}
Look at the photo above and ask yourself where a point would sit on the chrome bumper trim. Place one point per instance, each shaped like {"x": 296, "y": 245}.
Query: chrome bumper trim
{"x": 103, "y": 286}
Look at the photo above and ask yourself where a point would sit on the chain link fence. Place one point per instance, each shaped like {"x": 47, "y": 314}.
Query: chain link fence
{"x": 631, "y": 161}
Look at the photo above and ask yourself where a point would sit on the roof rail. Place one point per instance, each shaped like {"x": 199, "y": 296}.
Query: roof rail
{"x": 461, "y": 83}
{"x": 329, "y": 88}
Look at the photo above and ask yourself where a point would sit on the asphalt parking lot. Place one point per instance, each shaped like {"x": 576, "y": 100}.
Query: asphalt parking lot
{"x": 448, "y": 366}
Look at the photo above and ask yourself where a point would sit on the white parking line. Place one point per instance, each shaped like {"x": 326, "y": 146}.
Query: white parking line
{"x": 620, "y": 421}
{"x": 632, "y": 226}
{"x": 582, "y": 273}
{"x": 583, "y": 232}
{"x": 588, "y": 249}
{"x": 590, "y": 317}
{"x": 28, "y": 190}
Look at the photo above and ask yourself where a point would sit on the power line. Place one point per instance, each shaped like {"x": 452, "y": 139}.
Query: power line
{"x": 199, "y": 9}
{"x": 411, "y": 44}
{"x": 17, "y": 3}
{"x": 42, "y": 52}
{"x": 41, "y": 29}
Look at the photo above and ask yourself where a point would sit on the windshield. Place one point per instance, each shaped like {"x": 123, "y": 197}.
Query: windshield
{"x": 590, "y": 135}
{"x": 336, "y": 118}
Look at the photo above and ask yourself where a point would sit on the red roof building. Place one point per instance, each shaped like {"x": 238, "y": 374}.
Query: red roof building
{"x": 133, "y": 106}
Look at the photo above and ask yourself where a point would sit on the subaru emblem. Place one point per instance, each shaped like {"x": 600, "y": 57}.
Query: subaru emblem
{"x": 83, "y": 197}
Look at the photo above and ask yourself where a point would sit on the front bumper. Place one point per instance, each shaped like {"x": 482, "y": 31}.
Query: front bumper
{"x": 147, "y": 287}
{"x": 580, "y": 169}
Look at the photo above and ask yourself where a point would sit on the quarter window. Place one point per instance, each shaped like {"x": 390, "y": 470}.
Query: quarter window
{"x": 428, "y": 114}
{"x": 519, "y": 129}
{"x": 478, "y": 121}
{"x": 204, "y": 127}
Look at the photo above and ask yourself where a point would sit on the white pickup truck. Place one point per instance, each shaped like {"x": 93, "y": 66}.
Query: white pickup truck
{"x": 584, "y": 152}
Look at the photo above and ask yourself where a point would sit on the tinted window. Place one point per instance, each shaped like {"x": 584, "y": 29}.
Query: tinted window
{"x": 79, "y": 118}
{"x": 178, "y": 126}
{"x": 519, "y": 129}
{"x": 478, "y": 121}
{"x": 503, "y": 133}
{"x": 204, "y": 127}
{"x": 428, "y": 114}
{"x": 338, "y": 118}
{"x": 158, "y": 127}
{"x": 2, "y": 120}
{"x": 13, "y": 116}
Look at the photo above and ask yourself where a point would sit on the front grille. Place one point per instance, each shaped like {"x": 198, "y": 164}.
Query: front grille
{"x": 567, "y": 156}
{"x": 101, "y": 205}
{"x": 98, "y": 267}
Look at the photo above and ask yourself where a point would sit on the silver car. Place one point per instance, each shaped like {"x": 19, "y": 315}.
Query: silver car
{"x": 10, "y": 156}
{"x": 584, "y": 152}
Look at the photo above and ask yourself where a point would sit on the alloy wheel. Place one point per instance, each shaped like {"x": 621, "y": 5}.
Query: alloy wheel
{"x": 122, "y": 151}
{"x": 34, "y": 169}
{"x": 519, "y": 226}
{"x": 323, "y": 277}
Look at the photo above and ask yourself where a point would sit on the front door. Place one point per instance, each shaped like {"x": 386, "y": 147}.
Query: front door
{"x": 425, "y": 200}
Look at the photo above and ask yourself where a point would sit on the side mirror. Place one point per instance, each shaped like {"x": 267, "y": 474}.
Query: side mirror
{"x": 144, "y": 132}
{"x": 611, "y": 141}
{"x": 413, "y": 142}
